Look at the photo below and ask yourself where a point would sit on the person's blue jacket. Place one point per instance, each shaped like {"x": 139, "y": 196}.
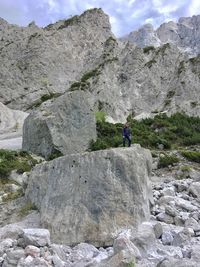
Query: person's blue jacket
{"x": 126, "y": 131}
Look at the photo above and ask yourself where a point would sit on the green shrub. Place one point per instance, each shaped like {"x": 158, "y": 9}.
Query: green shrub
{"x": 98, "y": 145}
{"x": 177, "y": 130}
{"x": 131, "y": 264}
{"x": 13, "y": 195}
{"x": 55, "y": 154}
{"x": 100, "y": 116}
{"x": 193, "y": 104}
{"x": 170, "y": 94}
{"x": 110, "y": 41}
{"x": 185, "y": 168}
{"x": 181, "y": 67}
{"x": 90, "y": 74}
{"x": 69, "y": 22}
{"x": 165, "y": 161}
{"x": 147, "y": 49}
{"x": 150, "y": 63}
{"x": 46, "y": 97}
{"x": 191, "y": 155}
{"x": 12, "y": 160}
{"x": 25, "y": 210}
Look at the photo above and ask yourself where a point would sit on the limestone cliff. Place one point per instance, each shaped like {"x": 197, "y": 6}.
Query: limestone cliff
{"x": 82, "y": 54}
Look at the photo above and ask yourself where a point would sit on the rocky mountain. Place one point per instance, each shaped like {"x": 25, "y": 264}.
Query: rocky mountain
{"x": 184, "y": 34}
{"x": 82, "y": 54}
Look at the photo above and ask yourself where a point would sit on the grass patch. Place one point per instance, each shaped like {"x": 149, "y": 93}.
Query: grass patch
{"x": 55, "y": 154}
{"x": 69, "y": 22}
{"x": 185, "y": 168}
{"x": 181, "y": 67}
{"x": 193, "y": 104}
{"x": 46, "y": 97}
{"x": 150, "y": 63}
{"x": 162, "y": 49}
{"x": 166, "y": 161}
{"x": 13, "y": 195}
{"x": 177, "y": 130}
{"x": 84, "y": 83}
{"x": 12, "y": 160}
{"x": 147, "y": 49}
{"x": 100, "y": 116}
{"x": 110, "y": 41}
{"x": 170, "y": 94}
{"x": 131, "y": 264}
{"x": 191, "y": 155}
{"x": 25, "y": 210}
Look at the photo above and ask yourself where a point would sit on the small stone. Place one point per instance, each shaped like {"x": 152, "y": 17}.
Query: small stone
{"x": 123, "y": 243}
{"x": 171, "y": 211}
{"x": 182, "y": 187}
{"x": 194, "y": 189}
{"x": 181, "y": 238}
{"x": 163, "y": 217}
{"x": 192, "y": 223}
{"x": 36, "y": 237}
{"x": 184, "y": 204}
{"x": 194, "y": 215}
{"x": 186, "y": 252}
{"x": 57, "y": 261}
{"x": 32, "y": 251}
{"x": 184, "y": 215}
{"x": 169, "y": 191}
{"x": 178, "y": 221}
{"x": 165, "y": 200}
{"x": 13, "y": 256}
{"x": 167, "y": 238}
{"x": 197, "y": 233}
{"x": 158, "y": 230}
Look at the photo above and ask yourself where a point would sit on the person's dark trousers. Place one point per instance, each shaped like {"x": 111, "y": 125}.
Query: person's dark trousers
{"x": 124, "y": 140}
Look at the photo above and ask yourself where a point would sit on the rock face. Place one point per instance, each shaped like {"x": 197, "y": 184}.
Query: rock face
{"x": 185, "y": 34}
{"x": 91, "y": 196}
{"x": 145, "y": 36}
{"x": 40, "y": 61}
{"x": 67, "y": 125}
{"x": 11, "y": 122}
{"x": 120, "y": 78}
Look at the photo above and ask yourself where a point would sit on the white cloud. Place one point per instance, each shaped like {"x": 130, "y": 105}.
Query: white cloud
{"x": 115, "y": 25}
{"x": 194, "y": 8}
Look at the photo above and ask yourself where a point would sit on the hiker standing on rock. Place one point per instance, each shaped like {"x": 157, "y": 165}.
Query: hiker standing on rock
{"x": 126, "y": 135}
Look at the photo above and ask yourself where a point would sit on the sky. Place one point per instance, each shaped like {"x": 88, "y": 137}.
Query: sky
{"x": 125, "y": 15}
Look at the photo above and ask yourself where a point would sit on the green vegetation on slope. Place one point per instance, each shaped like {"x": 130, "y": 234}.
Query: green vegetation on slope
{"x": 12, "y": 160}
{"x": 191, "y": 155}
{"x": 167, "y": 160}
{"x": 177, "y": 130}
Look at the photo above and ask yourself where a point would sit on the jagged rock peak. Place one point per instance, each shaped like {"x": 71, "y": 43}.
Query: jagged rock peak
{"x": 185, "y": 34}
{"x": 95, "y": 16}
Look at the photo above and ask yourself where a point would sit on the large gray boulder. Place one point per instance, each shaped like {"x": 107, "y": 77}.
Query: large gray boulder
{"x": 67, "y": 125}
{"x": 90, "y": 197}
